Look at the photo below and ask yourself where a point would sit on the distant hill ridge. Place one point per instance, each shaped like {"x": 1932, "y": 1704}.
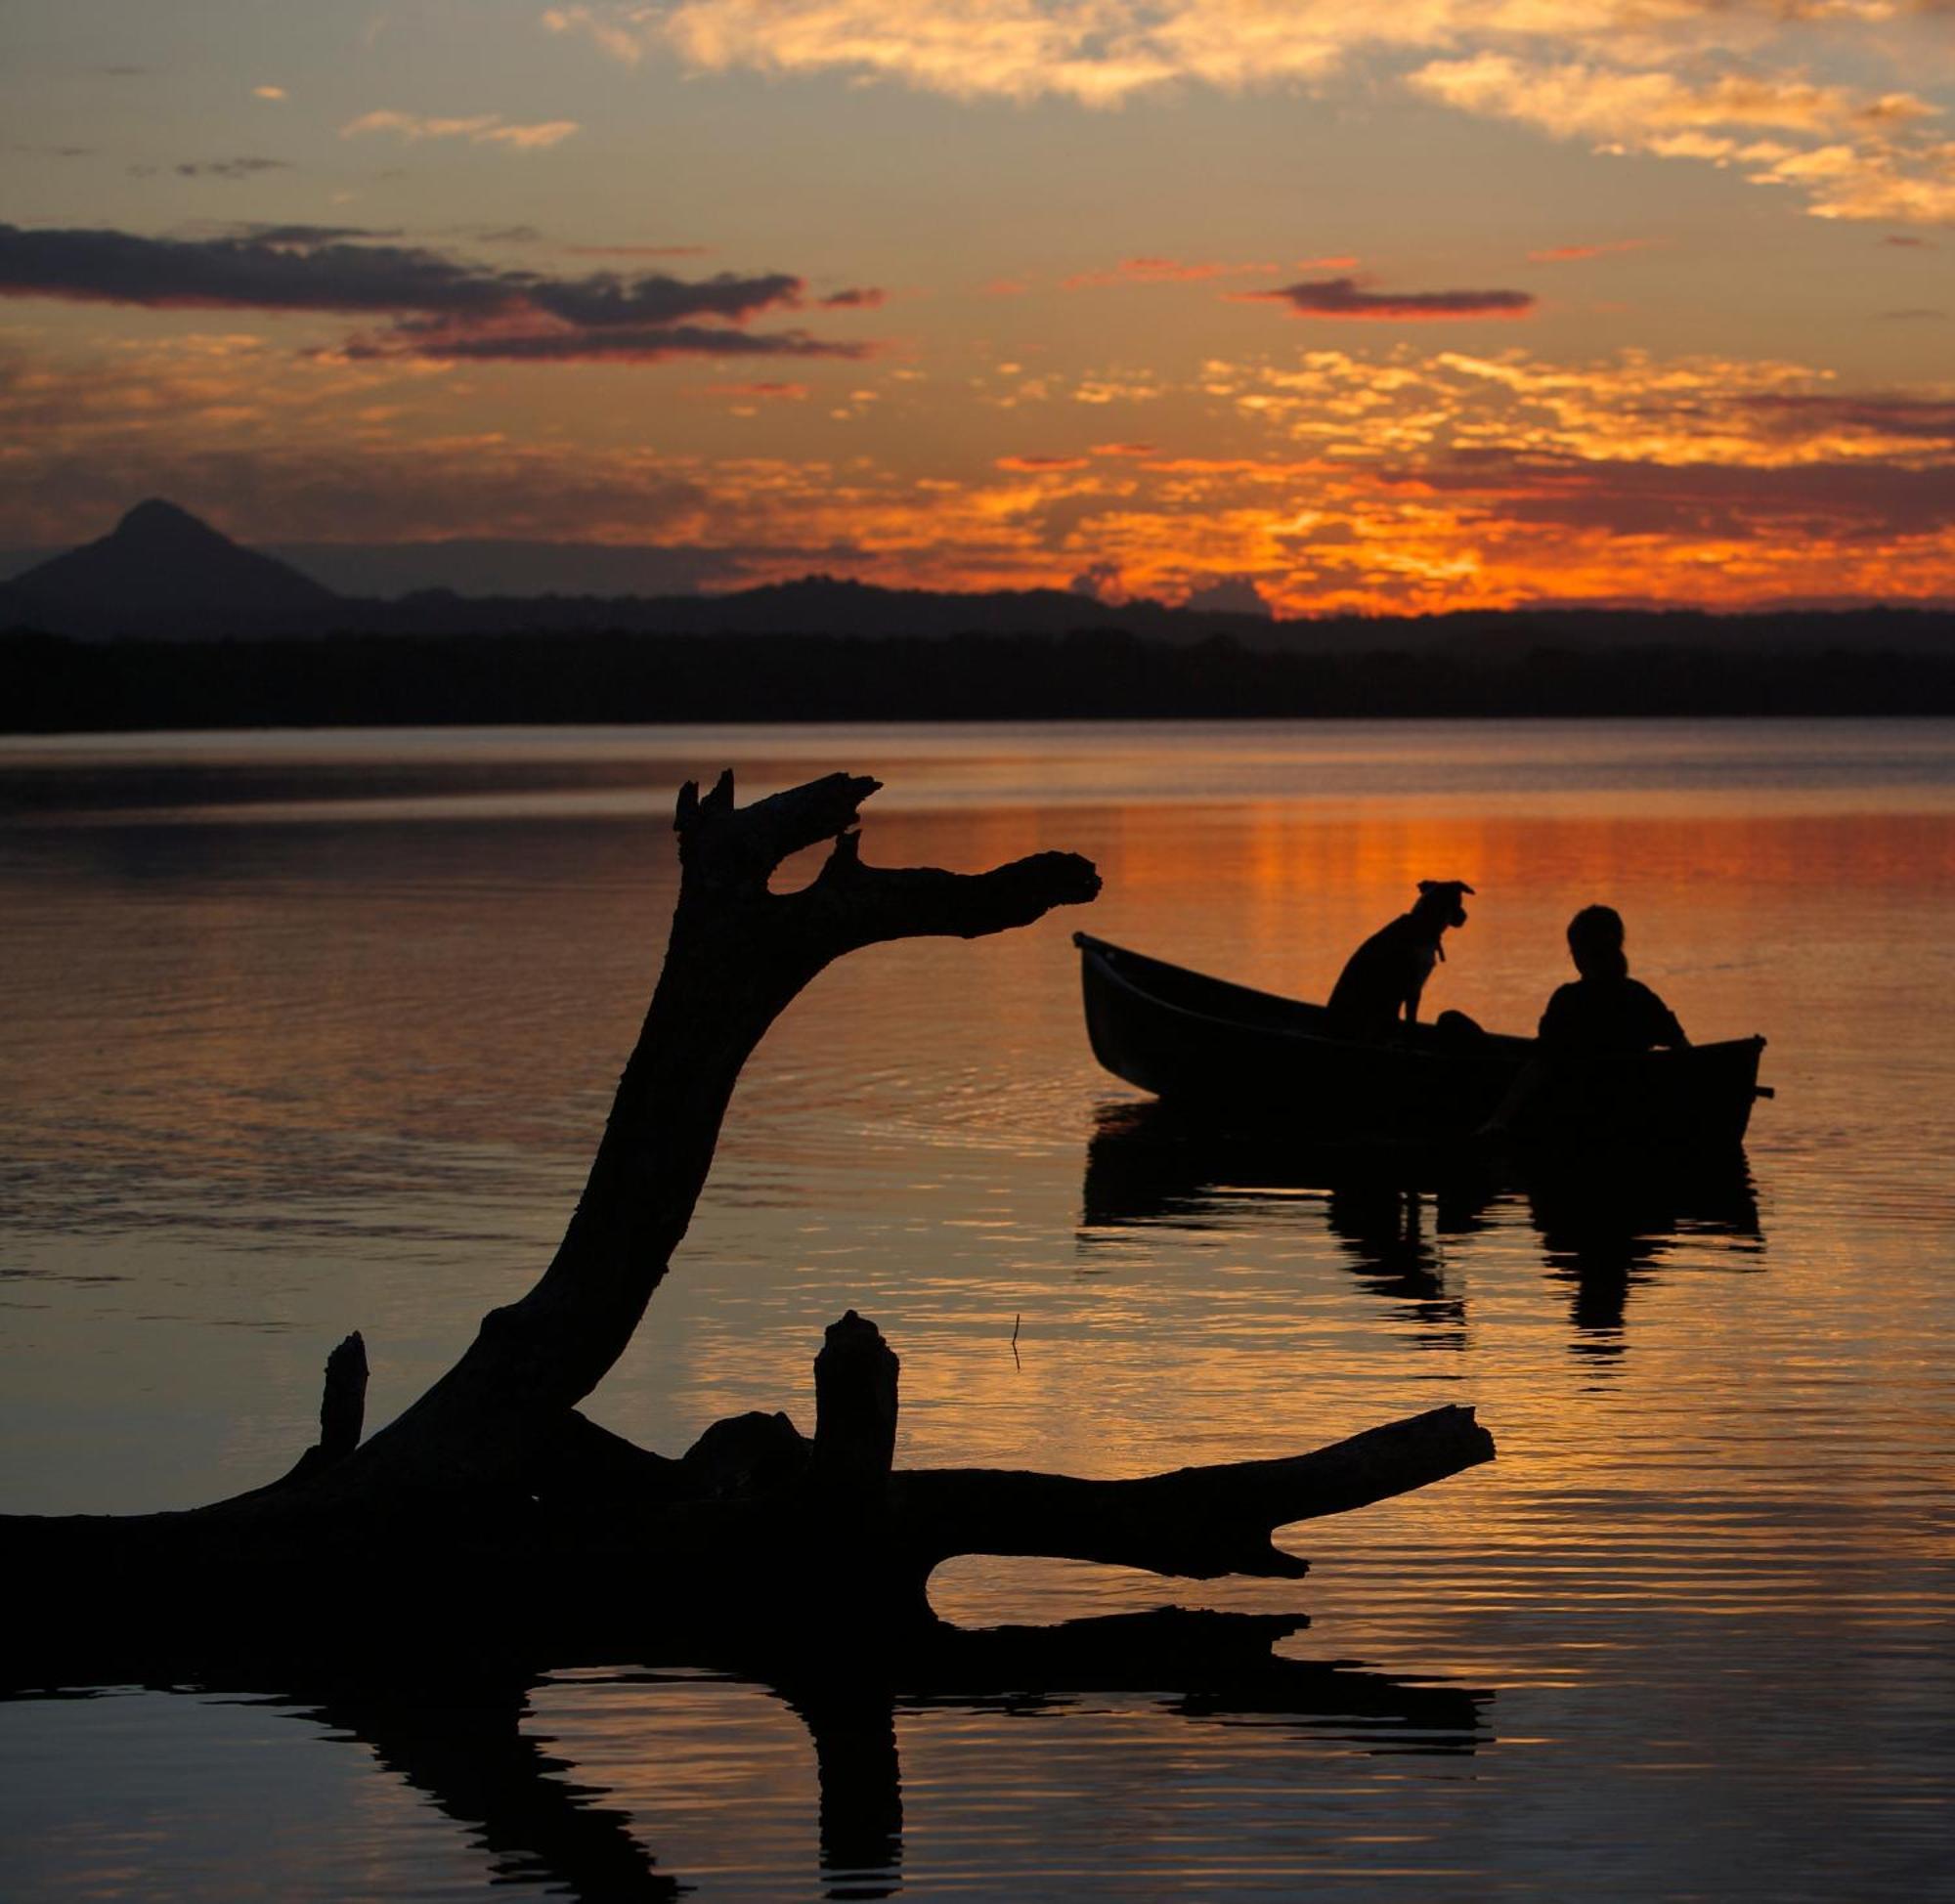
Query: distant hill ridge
{"x": 163, "y": 574}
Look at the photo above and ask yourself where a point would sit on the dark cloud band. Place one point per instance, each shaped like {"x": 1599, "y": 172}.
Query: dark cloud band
{"x": 443, "y": 306}
{"x": 603, "y": 301}
{"x": 617, "y": 344}
{"x": 1931, "y": 418}
{"x": 1346, "y": 298}
{"x": 230, "y": 168}
{"x": 242, "y": 273}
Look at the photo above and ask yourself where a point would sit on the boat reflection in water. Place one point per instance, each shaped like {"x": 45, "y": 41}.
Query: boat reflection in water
{"x": 1603, "y": 1224}
{"x": 469, "y": 1743}
{"x": 1605, "y": 1234}
{"x": 1393, "y": 1241}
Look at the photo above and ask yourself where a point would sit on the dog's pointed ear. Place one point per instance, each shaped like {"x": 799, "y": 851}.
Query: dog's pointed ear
{"x": 1426, "y": 887}
{"x": 1464, "y": 887}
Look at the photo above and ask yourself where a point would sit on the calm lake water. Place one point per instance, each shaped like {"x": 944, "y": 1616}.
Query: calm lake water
{"x": 307, "y": 1032}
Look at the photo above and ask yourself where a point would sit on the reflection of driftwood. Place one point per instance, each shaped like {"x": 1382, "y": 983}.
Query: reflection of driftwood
{"x": 491, "y": 1513}
{"x": 851, "y": 1721}
{"x": 462, "y": 1745}
{"x": 526, "y": 1803}
{"x": 1210, "y": 1664}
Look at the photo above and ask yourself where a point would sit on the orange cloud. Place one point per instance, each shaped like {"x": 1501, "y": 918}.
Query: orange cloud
{"x": 1559, "y": 254}
{"x": 1393, "y": 481}
{"x": 1160, "y": 270}
{"x": 1874, "y": 162}
{"x": 766, "y": 392}
{"x": 1410, "y": 409}
{"x": 1721, "y": 81}
{"x": 1104, "y": 53}
{"x": 483, "y": 129}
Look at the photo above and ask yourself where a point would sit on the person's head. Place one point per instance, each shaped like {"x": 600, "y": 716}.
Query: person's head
{"x": 1595, "y": 942}
{"x": 1437, "y": 903}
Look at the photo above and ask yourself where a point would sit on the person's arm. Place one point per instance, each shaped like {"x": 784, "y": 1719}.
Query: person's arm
{"x": 1664, "y": 1028}
{"x": 1535, "y": 1073}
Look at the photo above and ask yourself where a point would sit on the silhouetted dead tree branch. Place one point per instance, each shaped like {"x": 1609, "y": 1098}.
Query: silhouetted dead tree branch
{"x": 491, "y": 1509}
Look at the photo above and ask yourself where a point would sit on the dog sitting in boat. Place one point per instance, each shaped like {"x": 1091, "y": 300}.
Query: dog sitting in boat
{"x": 1384, "y": 978}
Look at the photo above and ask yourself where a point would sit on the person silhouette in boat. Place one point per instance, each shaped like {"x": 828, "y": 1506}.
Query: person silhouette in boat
{"x": 1602, "y": 1013}
{"x": 1604, "y": 1010}
{"x": 1384, "y": 980}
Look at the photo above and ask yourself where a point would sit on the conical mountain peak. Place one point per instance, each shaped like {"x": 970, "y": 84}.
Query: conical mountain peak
{"x": 157, "y": 516}
{"x": 163, "y": 564}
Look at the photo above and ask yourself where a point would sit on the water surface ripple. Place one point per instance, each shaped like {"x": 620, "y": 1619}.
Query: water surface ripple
{"x": 309, "y": 1032}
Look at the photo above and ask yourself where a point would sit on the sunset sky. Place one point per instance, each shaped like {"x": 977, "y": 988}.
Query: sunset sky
{"x": 1440, "y": 304}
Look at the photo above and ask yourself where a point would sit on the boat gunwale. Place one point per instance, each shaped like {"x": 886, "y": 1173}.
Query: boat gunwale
{"x": 1508, "y": 1044}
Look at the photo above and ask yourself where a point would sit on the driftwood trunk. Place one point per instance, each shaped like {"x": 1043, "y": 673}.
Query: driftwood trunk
{"x": 491, "y": 1513}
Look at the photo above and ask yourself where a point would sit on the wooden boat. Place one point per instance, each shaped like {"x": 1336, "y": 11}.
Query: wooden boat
{"x": 1195, "y": 1040}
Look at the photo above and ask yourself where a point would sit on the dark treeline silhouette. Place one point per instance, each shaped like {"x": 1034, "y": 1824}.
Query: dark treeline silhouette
{"x": 51, "y": 684}
{"x": 188, "y": 628}
{"x": 163, "y": 575}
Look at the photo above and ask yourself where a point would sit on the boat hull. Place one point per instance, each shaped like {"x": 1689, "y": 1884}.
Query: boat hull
{"x": 1193, "y": 1040}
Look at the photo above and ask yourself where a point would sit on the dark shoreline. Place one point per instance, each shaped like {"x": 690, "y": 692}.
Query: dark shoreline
{"x": 53, "y": 684}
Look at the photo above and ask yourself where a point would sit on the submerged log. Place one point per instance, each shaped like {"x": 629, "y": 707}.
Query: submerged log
{"x": 491, "y": 1512}
{"x": 758, "y": 1540}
